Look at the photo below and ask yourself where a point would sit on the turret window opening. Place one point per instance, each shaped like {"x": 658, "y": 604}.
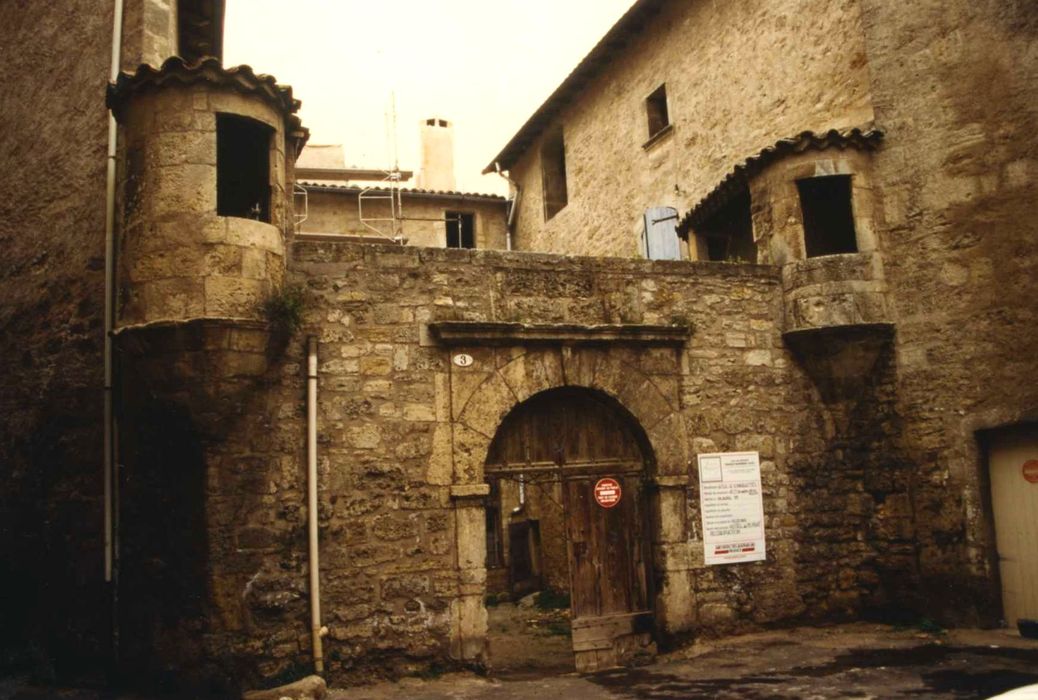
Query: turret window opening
{"x": 825, "y": 203}
{"x": 243, "y": 167}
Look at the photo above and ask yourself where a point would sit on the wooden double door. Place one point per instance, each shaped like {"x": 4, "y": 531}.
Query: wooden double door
{"x": 581, "y": 448}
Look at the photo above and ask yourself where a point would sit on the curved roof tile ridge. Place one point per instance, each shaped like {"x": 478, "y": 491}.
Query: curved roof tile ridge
{"x": 209, "y": 69}
{"x": 866, "y": 138}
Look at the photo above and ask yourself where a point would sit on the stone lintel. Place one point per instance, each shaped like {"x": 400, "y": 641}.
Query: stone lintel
{"x": 469, "y": 491}
{"x": 469, "y": 333}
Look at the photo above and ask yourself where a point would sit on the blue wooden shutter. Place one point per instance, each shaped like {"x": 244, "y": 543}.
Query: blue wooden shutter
{"x": 661, "y": 233}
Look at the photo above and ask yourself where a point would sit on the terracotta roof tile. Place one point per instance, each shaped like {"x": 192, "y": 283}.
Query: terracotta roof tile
{"x": 176, "y": 70}
{"x": 865, "y": 139}
{"x": 354, "y": 189}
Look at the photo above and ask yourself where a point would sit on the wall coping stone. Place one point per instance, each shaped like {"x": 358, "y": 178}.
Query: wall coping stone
{"x": 346, "y": 250}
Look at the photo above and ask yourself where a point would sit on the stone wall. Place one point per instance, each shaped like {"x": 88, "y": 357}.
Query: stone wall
{"x": 960, "y": 248}
{"x": 52, "y": 222}
{"x": 403, "y": 434}
{"x": 56, "y": 606}
{"x": 739, "y": 77}
{"x": 332, "y": 211}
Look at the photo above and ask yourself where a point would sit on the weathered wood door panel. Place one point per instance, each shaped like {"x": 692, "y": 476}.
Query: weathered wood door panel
{"x": 1013, "y": 463}
{"x": 574, "y": 438}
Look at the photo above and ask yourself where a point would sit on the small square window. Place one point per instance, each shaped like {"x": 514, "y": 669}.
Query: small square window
{"x": 828, "y": 217}
{"x": 461, "y": 229}
{"x": 656, "y": 110}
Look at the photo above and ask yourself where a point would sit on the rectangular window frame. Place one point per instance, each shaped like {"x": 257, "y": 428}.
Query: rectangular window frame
{"x": 460, "y": 217}
{"x": 554, "y": 187}
{"x": 657, "y": 113}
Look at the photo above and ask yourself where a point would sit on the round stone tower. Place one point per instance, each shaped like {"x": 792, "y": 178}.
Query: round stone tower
{"x": 205, "y": 203}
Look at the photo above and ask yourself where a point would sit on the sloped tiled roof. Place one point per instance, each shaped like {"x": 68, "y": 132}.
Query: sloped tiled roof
{"x": 176, "y": 70}
{"x": 865, "y": 139}
{"x": 407, "y": 191}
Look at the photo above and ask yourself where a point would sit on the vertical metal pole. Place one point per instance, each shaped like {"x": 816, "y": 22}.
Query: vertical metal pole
{"x": 109, "y": 312}
{"x": 316, "y": 630}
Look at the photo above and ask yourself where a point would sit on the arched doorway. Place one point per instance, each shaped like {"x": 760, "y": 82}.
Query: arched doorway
{"x": 568, "y": 513}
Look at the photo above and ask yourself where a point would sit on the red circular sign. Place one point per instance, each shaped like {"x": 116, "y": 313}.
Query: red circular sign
{"x": 608, "y": 492}
{"x": 1030, "y": 470}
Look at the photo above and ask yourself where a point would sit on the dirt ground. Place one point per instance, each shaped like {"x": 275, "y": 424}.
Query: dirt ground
{"x": 529, "y": 643}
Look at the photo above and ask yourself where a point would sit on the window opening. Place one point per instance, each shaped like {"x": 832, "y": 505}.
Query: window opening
{"x": 242, "y": 167}
{"x": 461, "y": 229}
{"x": 553, "y": 173}
{"x": 656, "y": 109}
{"x": 661, "y": 234}
{"x": 727, "y": 235}
{"x": 430, "y": 122}
{"x": 825, "y": 203}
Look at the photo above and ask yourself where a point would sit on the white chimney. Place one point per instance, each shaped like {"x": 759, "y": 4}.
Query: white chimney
{"x": 437, "y": 170}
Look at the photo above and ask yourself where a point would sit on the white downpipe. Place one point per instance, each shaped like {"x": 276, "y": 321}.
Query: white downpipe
{"x": 316, "y": 630}
{"x": 510, "y": 224}
{"x": 109, "y": 426}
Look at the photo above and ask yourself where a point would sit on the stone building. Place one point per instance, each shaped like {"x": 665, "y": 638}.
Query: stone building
{"x": 389, "y": 205}
{"x": 846, "y": 185}
{"x": 432, "y": 218}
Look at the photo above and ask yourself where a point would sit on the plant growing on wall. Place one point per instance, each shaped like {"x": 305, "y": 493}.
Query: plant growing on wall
{"x": 283, "y": 308}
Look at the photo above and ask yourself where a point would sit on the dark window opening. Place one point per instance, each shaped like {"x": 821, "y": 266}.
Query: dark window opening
{"x": 242, "y": 167}
{"x": 828, "y": 217}
{"x": 461, "y": 229}
{"x": 443, "y": 122}
{"x": 430, "y": 122}
{"x": 727, "y": 235}
{"x": 553, "y": 173}
{"x": 656, "y": 108}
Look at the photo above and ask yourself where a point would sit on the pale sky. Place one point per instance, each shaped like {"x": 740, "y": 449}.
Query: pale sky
{"x": 484, "y": 64}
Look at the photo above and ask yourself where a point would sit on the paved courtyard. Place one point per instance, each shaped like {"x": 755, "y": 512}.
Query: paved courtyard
{"x": 809, "y": 663}
{"x": 846, "y": 661}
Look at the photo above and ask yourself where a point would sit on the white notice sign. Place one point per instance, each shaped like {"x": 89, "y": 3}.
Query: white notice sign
{"x": 732, "y": 507}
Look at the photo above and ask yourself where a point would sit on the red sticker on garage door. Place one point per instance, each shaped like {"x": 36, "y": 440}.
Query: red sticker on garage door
{"x": 1030, "y": 470}
{"x": 607, "y": 492}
